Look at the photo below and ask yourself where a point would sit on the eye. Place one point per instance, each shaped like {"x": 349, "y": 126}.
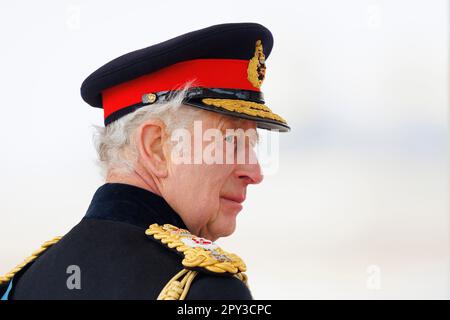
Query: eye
{"x": 230, "y": 139}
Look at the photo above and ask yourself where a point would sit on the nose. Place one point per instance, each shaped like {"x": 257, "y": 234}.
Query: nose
{"x": 250, "y": 173}
{"x": 249, "y": 170}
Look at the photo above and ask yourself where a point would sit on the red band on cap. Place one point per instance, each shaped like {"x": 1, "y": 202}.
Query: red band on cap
{"x": 209, "y": 73}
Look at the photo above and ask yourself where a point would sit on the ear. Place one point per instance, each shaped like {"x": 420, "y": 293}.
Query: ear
{"x": 150, "y": 139}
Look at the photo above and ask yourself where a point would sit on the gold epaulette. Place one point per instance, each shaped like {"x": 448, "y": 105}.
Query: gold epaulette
{"x": 199, "y": 255}
{"x": 7, "y": 277}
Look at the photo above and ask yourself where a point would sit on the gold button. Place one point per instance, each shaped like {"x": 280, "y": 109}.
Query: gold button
{"x": 149, "y": 98}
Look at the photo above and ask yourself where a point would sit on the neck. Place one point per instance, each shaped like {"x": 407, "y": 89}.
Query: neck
{"x": 133, "y": 178}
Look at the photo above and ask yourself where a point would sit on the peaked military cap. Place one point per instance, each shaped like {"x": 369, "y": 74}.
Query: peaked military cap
{"x": 224, "y": 64}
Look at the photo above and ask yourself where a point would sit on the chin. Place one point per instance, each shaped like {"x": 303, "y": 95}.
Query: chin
{"x": 226, "y": 229}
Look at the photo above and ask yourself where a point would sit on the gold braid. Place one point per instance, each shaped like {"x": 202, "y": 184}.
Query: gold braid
{"x": 176, "y": 289}
{"x": 7, "y": 277}
{"x": 216, "y": 261}
{"x": 242, "y": 106}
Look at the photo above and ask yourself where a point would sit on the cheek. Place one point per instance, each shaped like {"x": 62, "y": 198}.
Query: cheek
{"x": 210, "y": 180}
{"x": 195, "y": 191}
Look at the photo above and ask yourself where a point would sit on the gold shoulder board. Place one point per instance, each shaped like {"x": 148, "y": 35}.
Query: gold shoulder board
{"x": 198, "y": 254}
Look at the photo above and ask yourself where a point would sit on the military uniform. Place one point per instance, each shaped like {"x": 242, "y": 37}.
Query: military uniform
{"x": 131, "y": 244}
{"x": 115, "y": 257}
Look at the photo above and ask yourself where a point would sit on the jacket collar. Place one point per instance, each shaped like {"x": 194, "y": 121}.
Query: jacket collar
{"x": 132, "y": 205}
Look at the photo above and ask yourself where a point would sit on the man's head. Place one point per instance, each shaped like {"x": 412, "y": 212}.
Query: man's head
{"x": 199, "y": 161}
{"x": 223, "y": 67}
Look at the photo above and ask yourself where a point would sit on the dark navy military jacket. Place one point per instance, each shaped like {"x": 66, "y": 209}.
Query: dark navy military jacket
{"x": 116, "y": 260}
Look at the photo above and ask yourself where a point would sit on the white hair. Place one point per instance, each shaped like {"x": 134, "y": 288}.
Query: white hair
{"x": 115, "y": 143}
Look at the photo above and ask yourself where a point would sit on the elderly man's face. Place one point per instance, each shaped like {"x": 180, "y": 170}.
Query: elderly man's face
{"x": 208, "y": 196}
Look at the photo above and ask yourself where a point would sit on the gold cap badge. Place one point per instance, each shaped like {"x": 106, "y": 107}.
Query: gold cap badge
{"x": 256, "y": 70}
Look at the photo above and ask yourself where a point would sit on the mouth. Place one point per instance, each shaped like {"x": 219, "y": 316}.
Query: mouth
{"x": 233, "y": 201}
{"x": 238, "y": 199}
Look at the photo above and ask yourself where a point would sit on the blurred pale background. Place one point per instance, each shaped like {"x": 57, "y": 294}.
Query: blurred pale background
{"x": 358, "y": 207}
